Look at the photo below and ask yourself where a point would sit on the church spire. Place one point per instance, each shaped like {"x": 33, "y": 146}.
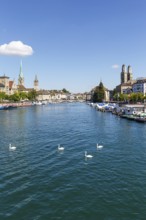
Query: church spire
{"x": 21, "y": 77}
{"x": 21, "y": 74}
{"x": 36, "y": 83}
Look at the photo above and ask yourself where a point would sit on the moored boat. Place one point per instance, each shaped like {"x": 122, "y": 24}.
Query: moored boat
{"x": 2, "y": 107}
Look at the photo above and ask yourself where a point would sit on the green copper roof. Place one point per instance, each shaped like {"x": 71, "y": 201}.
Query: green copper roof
{"x": 20, "y": 73}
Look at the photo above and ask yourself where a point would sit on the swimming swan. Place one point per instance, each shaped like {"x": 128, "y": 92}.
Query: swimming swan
{"x": 60, "y": 148}
{"x": 88, "y": 155}
{"x": 12, "y": 147}
{"x": 99, "y": 146}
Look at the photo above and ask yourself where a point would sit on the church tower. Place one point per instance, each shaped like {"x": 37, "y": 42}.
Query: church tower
{"x": 123, "y": 74}
{"x": 21, "y": 77}
{"x": 36, "y": 83}
{"x": 129, "y": 73}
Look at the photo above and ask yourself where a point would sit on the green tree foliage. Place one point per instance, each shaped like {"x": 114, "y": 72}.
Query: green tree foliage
{"x": 136, "y": 97}
{"x": 32, "y": 95}
{"x": 2, "y": 96}
{"x": 18, "y": 96}
{"x": 132, "y": 97}
{"x": 99, "y": 93}
{"x": 123, "y": 97}
{"x": 95, "y": 96}
{"x": 65, "y": 91}
{"x": 116, "y": 96}
{"x": 23, "y": 95}
{"x": 15, "y": 97}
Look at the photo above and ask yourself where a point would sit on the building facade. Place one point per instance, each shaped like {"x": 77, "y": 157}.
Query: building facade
{"x": 4, "y": 84}
{"x": 9, "y": 87}
{"x": 139, "y": 86}
{"x": 126, "y": 80}
{"x": 12, "y": 87}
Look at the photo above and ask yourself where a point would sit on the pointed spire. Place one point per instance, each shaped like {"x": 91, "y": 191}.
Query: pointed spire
{"x": 36, "y": 83}
{"x": 21, "y": 77}
{"x": 20, "y": 73}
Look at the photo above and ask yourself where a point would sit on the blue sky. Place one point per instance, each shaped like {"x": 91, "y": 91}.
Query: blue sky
{"x": 73, "y": 44}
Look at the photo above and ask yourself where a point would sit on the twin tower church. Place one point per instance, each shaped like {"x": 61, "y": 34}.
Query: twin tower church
{"x": 126, "y": 74}
{"x": 127, "y": 80}
{"x": 10, "y": 87}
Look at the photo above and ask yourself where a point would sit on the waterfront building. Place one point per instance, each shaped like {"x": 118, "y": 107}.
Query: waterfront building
{"x": 43, "y": 95}
{"x": 9, "y": 87}
{"x": 139, "y": 86}
{"x": 12, "y": 87}
{"x": 51, "y": 95}
{"x": 124, "y": 88}
{"x": 2, "y": 87}
{"x": 71, "y": 97}
{"x": 107, "y": 95}
{"x": 4, "y": 84}
{"x": 80, "y": 96}
{"x": 88, "y": 96}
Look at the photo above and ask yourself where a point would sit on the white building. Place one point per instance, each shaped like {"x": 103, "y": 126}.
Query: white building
{"x": 51, "y": 95}
{"x": 107, "y": 95}
{"x": 139, "y": 86}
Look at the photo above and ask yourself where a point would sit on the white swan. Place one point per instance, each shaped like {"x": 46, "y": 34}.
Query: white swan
{"x": 12, "y": 147}
{"x": 60, "y": 148}
{"x": 99, "y": 146}
{"x": 88, "y": 155}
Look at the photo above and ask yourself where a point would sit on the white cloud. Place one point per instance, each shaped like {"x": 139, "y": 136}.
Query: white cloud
{"x": 16, "y": 48}
{"x": 115, "y": 66}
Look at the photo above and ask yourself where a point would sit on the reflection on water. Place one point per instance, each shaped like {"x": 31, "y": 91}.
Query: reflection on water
{"x": 37, "y": 181}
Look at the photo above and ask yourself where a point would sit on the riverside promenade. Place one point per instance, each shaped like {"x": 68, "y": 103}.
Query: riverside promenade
{"x": 8, "y": 105}
{"x": 135, "y": 112}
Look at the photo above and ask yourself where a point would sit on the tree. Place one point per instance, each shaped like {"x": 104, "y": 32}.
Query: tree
{"x": 23, "y": 95}
{"x": 133, "y": 97}
{"x": 123, "y": 97}
{"x": 116, "y": 97}
{"x": 64, "y": 90}
{"x": 32, "y": 95}
{"x": 15, "y": 97}
{"x": 126, "y": 97}
{"x": 95, "y": 96}
{"x": 140, "y": 97}
{"x": 2, "y": 96}
{"x": 99, "y": 93}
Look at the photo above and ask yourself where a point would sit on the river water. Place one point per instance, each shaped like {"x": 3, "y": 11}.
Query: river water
{"x": 38, "y": 182}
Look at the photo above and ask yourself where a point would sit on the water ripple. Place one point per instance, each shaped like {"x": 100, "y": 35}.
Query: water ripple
{"x": 39, "y": 182}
